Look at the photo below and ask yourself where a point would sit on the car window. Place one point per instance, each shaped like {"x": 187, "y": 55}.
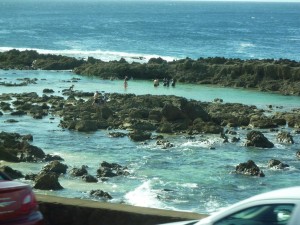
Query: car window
{"x": 273, "y": 214}
{"x": 3, "y": 176}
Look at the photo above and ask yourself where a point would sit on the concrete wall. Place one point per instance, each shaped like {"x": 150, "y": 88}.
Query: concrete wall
{"x": 64, "y": 211}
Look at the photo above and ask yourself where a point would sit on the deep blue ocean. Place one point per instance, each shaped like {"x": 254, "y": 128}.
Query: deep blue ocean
{"x": 172, "y": 29}
{"x": 191, "y": 176}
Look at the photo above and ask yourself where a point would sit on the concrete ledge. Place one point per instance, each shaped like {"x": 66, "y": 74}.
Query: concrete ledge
{"x": 64, "y": 211}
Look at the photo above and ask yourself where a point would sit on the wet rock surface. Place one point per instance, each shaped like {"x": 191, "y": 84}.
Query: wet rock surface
{"x": 257, "y": 139}
{"x": 47, "y": 181}
{"x": 249, "y": 168}
{"x": 140, "y": 118}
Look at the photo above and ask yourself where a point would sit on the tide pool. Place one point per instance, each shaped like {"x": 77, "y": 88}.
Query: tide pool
{"x": 195, "y": 175}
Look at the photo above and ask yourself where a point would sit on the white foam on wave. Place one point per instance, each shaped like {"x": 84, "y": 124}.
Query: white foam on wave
{"x": 205, "y": 143}
{"x": 247, "y": 45}
{"x": 212, "y": 204}
{"x": 189, "y": 185}
{"x": 144, "y": 196}
{"x": 98, "y": 54}
{"x": 243, "y": 47}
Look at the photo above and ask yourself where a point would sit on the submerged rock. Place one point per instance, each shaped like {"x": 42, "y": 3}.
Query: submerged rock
{"x": 276, "y": 164}
{"x": 100, "y": 194}
{"x": 78, "y": 171}
{"x": 111, "y": 170}
{"x": 285, "y": 137}
{"x": 13, "y": 174}
{"x": 139, "y": 136}
{"x": 249, "y": 168}
{"x": 89, "y": 178}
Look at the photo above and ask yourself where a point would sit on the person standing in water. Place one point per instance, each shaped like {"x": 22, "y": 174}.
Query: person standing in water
{"x": 173, "y": 83}
{"x": 125, "y": 82}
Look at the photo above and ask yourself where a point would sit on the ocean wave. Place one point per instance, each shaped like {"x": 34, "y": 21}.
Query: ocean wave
{"x": 189, "y": 185}
{"x": 243, "y": 47}
{"x": 246, "y": 45}
{"x": 204, "y": 143}
{"x": 144, "y": 196}
{"x": 212, "y": 204}
{"x": 98, "y": 54}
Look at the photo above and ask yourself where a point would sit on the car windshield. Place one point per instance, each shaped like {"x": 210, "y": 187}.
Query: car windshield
{"x": 260, "y": 215}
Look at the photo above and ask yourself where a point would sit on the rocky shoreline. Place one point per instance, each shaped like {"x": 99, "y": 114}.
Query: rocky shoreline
{"x": 269, "y": 75}
{"x": 144, "y": 117}
{"x": 141, "y": 118}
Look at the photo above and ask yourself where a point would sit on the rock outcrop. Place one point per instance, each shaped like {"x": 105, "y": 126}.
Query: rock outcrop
{"x": 257, "y": 139}
{"x": 249, "y": 168}
{"x": 47, "y": 181}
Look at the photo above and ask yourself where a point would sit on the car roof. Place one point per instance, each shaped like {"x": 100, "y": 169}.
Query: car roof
{"x": 292, "y": 193}
{"x": 284, "y": 193}
{"x": 12, "y": 184}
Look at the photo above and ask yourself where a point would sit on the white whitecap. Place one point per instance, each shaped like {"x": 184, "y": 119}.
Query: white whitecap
{"x": 205, "y": 143}
{"x": 144, "y": 196}
{"x": 247, "y": 44}
{"x": 190, "y": 185}
{"x": 212, "y": 205}
{"x": 98, "y": 54}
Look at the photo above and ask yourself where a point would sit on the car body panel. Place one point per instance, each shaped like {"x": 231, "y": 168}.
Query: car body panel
{"x": 18, "y": 205}
{"x": 10, "y": 195}
{"x": 286, "y": 196}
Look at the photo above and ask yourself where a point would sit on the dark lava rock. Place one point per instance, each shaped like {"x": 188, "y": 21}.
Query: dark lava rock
{"x": 276, "y": 164}
{"x": 13, "y": 174}
{"x": 285, "y": 137}
{"x": 257, "y": 139}
{"x": 77, "y": 172}
{"x": 56, "y": 167}
{"x": 111, "y": 170}
{"x": 249, "y": 168}
{"x": 47, "y": 181}
{"x": 51, "y": 157}
{"x": 100, "y": 193}
{"x": 89, "y": 178}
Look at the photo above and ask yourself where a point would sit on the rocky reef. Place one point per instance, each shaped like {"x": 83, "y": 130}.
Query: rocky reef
{"x": 270, "y": 75}
{"x": 141, "y": 115}
{"x": 141, "y": 118}
{"x": 147, "y": 117}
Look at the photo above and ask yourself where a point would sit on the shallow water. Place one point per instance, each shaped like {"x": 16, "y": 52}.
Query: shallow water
{"x": 195, "y": 175}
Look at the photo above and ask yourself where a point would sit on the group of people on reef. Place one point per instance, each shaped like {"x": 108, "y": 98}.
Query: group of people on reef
{"x": 166, "y": 82}
{"x": 98, "y": 100}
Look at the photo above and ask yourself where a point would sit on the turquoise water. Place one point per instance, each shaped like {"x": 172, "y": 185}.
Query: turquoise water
{"x": 64, "y": 79}
{"x": 190, "y": 176}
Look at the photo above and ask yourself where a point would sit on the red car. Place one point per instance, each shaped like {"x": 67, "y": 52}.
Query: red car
{"x": 18, "y": 205}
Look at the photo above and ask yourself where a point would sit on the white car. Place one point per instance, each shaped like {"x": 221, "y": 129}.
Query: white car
{"x": 279, "y": 207}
